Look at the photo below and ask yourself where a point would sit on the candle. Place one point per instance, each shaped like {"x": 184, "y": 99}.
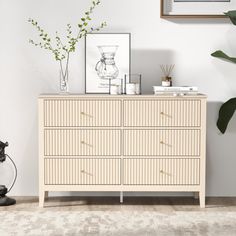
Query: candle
{"x": 166, "y": 83}
{"x": 131, "y": 88}
{"x": 114, "y": 89}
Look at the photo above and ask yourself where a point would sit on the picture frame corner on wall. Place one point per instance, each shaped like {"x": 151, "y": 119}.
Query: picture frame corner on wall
{"x": 107, "y": 57}
{"x": 195, "y": 8}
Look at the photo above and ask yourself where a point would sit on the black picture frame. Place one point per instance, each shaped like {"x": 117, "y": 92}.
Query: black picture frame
{"x": 86, "y": 74}
{"x": 165, "y": 15}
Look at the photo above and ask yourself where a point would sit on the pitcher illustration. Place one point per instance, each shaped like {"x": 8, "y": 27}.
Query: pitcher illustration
{"x": 106, "y": 68}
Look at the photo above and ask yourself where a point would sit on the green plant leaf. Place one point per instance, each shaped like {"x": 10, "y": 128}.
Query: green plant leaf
{"x": 225, "y": 114}
{"x": 232, "y": 16}
{"x": 62, "y": 49}
{"x": 222, "y": 55}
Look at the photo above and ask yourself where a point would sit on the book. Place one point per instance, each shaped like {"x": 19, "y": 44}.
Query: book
{"x": 175, "y": 89}
{"x": 175, "y": 93}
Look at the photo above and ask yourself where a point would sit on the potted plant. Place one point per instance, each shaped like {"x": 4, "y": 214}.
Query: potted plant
{"x": 62, "y": 50}
{"x": 228, "y": 108}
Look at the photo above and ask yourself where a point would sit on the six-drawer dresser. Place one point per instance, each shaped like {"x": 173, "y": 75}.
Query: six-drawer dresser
{"x": 122, "y": 143}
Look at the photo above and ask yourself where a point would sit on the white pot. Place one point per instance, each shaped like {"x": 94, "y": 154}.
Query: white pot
{"x": 165, "y": 83}
{"x": 114, "y": 89}
{"x": 131, "y": 89}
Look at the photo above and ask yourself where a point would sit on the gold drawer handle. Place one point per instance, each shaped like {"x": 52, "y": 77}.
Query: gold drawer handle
{"x": 165, "y": 114}
{"x": 85, "y": 172}
{"x": 166, "y": 144}
{"x": 87, "y": 144}
{"x": 86, "y": 114}
{"x": 165, "y": 173}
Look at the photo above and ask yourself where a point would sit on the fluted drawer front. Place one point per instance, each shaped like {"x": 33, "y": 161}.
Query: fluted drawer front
{"x": 161, "y": 171}
{"x": 89, "y": 113}
{"x": 175, "y": 113}
{"x": 68, "y": 142}
{"x": 66, "y": 171}
{"x": 161, "y": 142}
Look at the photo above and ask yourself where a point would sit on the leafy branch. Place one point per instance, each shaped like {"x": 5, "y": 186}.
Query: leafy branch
{"x": 56, "y": 46}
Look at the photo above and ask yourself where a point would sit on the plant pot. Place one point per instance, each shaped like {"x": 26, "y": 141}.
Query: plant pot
{"x": 166, "y": 82}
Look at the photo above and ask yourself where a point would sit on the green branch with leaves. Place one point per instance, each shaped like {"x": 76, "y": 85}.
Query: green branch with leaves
{"x": 61, "y": 50}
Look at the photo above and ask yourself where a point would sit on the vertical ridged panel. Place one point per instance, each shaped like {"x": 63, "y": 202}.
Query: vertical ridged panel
{"x": 161, "y": 171}
{"x": 166, "y": 113}
{"x": 161, "y": 142}
{"x": 68, "y": 142}
{"x": 74, "y": 113}
{"x": 82, "y": 171}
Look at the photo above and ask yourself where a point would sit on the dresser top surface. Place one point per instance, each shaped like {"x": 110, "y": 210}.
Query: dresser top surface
{"x": 97, "y": 96}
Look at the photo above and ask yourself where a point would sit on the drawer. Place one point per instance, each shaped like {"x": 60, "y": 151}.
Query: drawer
{"x": 161, "y": 142}
{"x": 89, "y": 113}
{"x": 161, "y": 171}
{"x": 68, "y": 142}
{"x": 63, "y": 171}
{"x": 162, "y": 113}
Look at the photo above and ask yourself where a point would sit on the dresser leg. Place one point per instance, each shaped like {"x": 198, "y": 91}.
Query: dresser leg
{"x": 41, "y": 198}
{"x": 46, "y": 194}
{"x": 202, "y": 199}
{"x": 121, "y": 197}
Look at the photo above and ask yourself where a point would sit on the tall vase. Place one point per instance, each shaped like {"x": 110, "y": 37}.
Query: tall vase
{"x": 64, "y": 85}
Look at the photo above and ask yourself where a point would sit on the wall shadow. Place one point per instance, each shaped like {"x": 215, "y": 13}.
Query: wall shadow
{"x": 147, "y": 63}
{"x": 221, "y": 158}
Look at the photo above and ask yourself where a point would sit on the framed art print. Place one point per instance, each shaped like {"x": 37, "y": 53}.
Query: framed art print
{"x": 196, "y": 8}
{"x": 107, "y": 58}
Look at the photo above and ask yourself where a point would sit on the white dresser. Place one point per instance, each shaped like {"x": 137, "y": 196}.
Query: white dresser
{"x": 122, "y": 143}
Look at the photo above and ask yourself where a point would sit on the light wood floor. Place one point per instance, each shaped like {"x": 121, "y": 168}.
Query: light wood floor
{"x": 161, "y": 204}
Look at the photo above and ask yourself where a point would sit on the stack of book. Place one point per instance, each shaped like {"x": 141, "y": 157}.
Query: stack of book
{"x": 182, "y": 90}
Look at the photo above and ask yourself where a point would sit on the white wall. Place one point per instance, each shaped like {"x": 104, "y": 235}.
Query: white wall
{"x": 26, "y": 71}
